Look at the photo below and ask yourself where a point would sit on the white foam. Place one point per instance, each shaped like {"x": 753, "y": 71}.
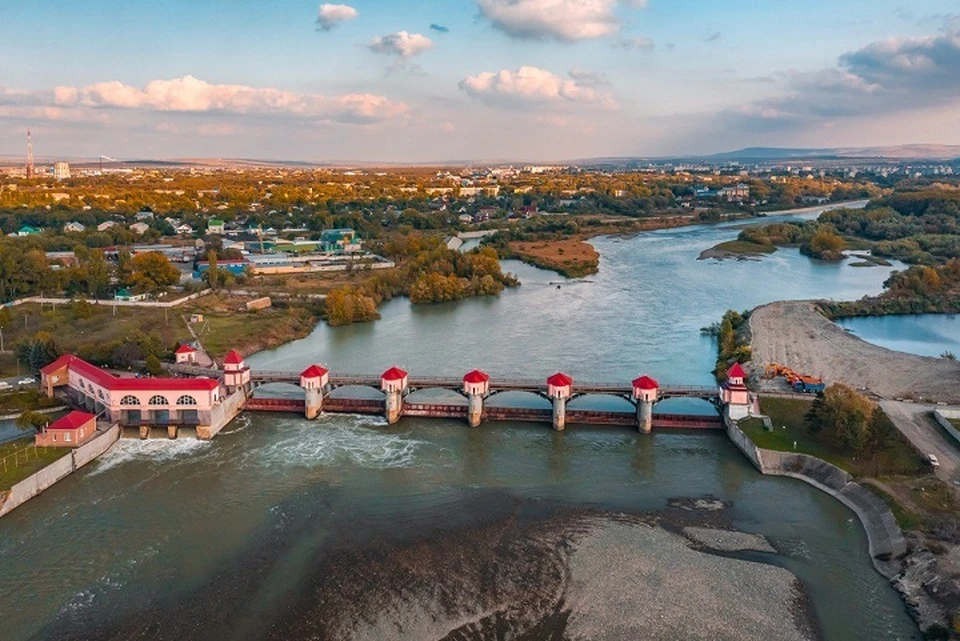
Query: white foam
{"x": 161, "y": 450}
{"x": 343, "y": 440}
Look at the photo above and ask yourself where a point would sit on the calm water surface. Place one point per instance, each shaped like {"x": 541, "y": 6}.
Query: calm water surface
{"x": 170, "y": 530}
{"x": 923, "y": 334}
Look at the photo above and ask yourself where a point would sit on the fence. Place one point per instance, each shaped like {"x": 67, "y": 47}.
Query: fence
{"x": 21, "y": 457}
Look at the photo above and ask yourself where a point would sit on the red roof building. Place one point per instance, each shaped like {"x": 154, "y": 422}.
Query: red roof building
{"x": 736, "y": 371}
{"x": 560, "y": 380}
{"x": 476, "y": 376}
{"x": 185, "y": 349}
{"x": 394, "y": 374}
{"x": 69, "y": 431}
{"x": 314, "y": 371}
{"x": 233, "y": 358}
{"x": 646, "y": 383}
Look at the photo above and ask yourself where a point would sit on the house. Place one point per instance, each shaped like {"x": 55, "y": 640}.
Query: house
{"x": 125, "y": 295}
{"x": 74, "y": 227}
{"x": 144, "y": 214}
{"x": 484, "y": 214}
{"x": 185, "y": 354}
{"x": 529, "y": 211}
{"x": 216, "y": 226}
{"x": 104, "y": 226}
{"x": 71, "y": 430}
{"x": 140, "y": 228}
{"x": 340, "y": 241}
{"x": 27, "y": 230}
{"x": 183, "y": 229}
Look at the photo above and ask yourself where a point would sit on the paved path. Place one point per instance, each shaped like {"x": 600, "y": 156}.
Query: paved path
{"x": 914, "y": 421}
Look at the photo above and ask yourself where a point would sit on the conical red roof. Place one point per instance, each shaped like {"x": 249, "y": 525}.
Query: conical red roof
{"x": 476, "y": 376}
{"x": 736, "y": 371}
{"x": 185, "y": 349}
{"x": 314, "y": 371}
{"x": 233, "y": 358}
{"x": 560, "y": 380}
{"x": 394, "y": 374}
{"x": 645, "y": 382}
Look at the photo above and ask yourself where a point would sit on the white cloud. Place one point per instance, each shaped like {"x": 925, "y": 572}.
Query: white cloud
{"x": 330, "y": 15}
{"x": 190, "y": 95}
{"x": 565, "y": 20}
{"x": 401, "y": 44}
{"x": 533, "y": 85}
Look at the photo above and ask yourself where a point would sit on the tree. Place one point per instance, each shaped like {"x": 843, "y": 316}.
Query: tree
{"x": 31, "y": 420}
{"x": 152, "y": 272}
{"x": 213, "y": 274}
{"x": 153, "y": 365}
{"x": 38, "y": 352}
{"x": 842, "y": 415}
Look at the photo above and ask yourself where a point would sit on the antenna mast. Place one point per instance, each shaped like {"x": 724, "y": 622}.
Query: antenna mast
{"x": 29, "y": 155}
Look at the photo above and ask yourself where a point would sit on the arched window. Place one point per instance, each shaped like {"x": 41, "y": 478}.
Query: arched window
{"x": 129, "y": 400}
{"x": 186, "y": 400}
{"x": 158, "y": 400}
{"x": 100, "y": 395}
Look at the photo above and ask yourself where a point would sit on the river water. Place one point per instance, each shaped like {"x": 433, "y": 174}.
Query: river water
{"x": 922, "y": 334}
{"x": 241, "y": 538}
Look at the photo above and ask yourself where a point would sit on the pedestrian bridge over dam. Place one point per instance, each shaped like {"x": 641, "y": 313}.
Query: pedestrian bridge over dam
{"x": 476, "y": 389}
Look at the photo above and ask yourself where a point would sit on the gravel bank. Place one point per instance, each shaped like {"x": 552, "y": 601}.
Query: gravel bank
{"x": 796, "y": 335}
{"x": 728, "y": 541}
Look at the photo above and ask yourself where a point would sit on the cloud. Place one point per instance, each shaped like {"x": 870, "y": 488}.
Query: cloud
{"x": 563, "y": 20}
{"x": 330, "y": 15}
{"x": 439, "y": 28}
{"x": 636, "y": 43}
{"x": 891, "y": 76}
{"x": 190, "y": 95}
{"x": 401, "y": 44}
{"x": 530, "y": 85}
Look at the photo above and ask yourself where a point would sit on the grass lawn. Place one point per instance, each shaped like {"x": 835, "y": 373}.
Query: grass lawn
{"x": 787, "y": 416}
{"x": 17, "y": 463}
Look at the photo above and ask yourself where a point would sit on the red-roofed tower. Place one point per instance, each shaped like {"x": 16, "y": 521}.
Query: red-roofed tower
{"x": 559, "y": 389}
{"x": 314, "y": 380}
{"x": 735, "y": 394}
{"x": 476, "y": 385}
{"x": 236, "y": 374}
{"x": 393, "y": 382}
{"x": 646, "y": 391}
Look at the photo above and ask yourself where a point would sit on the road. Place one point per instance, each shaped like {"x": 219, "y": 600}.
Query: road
{"x": 914, "y": 421}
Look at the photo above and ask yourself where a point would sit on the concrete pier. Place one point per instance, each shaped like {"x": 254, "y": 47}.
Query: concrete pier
{"x": 645, "y": 416}
{"x": 173, "y": 432}
{"x": 144, "y": 432}
{"x": 314, "y": 404}
{"x": 559, "y": 413}
{"x": 394, "y": 407}
{"x": 475, "y": 410}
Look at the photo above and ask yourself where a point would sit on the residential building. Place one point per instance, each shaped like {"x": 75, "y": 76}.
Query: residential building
{"x": 340, "y": 241}
{"x": 140, "y": 228}
{"x": 27, "y": 230}
{"x": 104, "y": 226}
{"x": 128, "y": 296}
{"x": 74, "y": 227}
{"x": 61, "y": 170}
{"x": 185, "y": 355}
{"x": 216, "y": 226}
{"x": 183, "y": 229}
{"x": 144, "y": 214}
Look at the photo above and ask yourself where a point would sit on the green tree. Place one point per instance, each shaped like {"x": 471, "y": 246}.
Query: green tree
{"x": 213, "y": 274}
{"x": 843, "y": 416}
{"x": 153, "y": 365}
{"x": 32, "y": 420}
{"x": 38, "y": 352}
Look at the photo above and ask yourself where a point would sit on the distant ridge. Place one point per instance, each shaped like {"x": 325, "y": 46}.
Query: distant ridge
{"x": 896, "y": 152}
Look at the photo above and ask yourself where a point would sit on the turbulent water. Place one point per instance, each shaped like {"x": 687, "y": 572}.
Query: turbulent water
{"x": 345, "y": 528}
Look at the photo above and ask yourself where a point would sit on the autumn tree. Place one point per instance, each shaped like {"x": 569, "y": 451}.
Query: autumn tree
{"x": 842, "y": 415}
{"x": 152, "y": 272}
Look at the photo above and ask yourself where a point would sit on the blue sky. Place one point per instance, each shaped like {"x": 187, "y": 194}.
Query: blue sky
{"x": 508, "y": 79}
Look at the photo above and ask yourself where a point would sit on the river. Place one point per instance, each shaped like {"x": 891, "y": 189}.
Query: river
{"x": 248, "y": 537}
{"x": 922, "y": 334}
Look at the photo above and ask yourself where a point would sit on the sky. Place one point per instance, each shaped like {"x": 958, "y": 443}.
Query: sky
{"x": 473, "y": 80}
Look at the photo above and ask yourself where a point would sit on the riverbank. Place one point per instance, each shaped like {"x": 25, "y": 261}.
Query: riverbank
{"x": 569, "y": 257}
{"x": 796, "y": 335}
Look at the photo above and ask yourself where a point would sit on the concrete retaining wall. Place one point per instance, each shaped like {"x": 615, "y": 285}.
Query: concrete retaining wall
{"x": 59, "y": 469}
{"x": 884, "y": 538}
{"x": 943, "y": 417}
{"x": 222, "y": 414}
